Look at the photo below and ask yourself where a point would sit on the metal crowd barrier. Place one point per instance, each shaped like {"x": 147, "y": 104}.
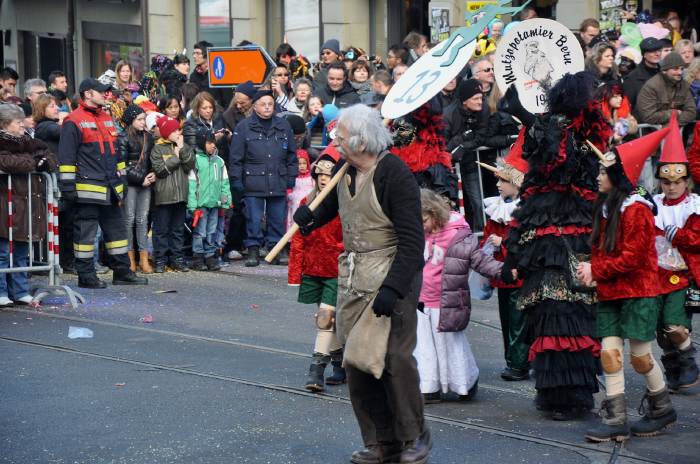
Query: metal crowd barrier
{"x": 51, "y": 263}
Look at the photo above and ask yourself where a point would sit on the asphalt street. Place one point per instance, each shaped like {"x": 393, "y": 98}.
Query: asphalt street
{"x": 218, "y": 375}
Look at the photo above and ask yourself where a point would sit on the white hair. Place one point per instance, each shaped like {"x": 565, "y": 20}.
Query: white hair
{"x": 8, "y": 113}
{"x": 31, "y": 83}
{"x": 366, "y": 131}
{"x": 475, "y": 65}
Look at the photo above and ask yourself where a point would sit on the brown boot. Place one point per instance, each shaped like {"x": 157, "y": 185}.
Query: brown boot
{"x": 146, "y": 267}
{"x": 132, "y": 260}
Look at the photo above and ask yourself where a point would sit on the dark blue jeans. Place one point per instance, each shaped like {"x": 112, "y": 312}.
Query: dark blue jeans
{"x": 275, "y": 211}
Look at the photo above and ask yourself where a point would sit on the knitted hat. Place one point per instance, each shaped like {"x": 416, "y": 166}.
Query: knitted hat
{"x": 467, "y": 89}
{"x": 330, "y": 113}
{"x": 151, "y": 119}
{"x": 673, "y": 164}
{"x": 332, "y": 45}
{"x": 167, "y": 125}
{"x": 130, "y": 113}
{"x": 261, "y": 93}
{"x": 247, "y": 88}
{"x": 672, "y": 60}
{"x": 297, "y": 123}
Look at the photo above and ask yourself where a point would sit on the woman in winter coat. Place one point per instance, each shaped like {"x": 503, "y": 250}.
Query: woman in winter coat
{"x": 47, "y": 121}
{"x": 134, "y": 146}
{"x": 445, "y": 359}
{"x": 203, "y": 119}
{"x": 20, "y": 155}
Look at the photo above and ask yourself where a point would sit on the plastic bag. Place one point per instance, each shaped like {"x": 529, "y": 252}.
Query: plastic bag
{"x": 669, "y": 257}
{"x": 480, "y": 286}
{"x": 79, "y": 332}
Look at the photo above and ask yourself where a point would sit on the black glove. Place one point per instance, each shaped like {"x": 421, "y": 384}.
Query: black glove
{"x": 421, "y": 307}
{"x": 42, "y": 164}
{"x": 384, "y": 302}
{"x": 303, "y": 216}
{"x": 510, "y": 103}
{"x": 507, "y": 270}
{"x": 69, "y": 197}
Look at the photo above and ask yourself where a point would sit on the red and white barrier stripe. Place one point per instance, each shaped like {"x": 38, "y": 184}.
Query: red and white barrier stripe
{"x": 460, "y": 193}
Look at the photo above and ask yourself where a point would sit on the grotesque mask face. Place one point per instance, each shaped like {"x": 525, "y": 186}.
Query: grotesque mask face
{"x": 404, "y": 132}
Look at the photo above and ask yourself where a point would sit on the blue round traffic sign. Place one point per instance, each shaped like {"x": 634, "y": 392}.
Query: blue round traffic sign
{"x": 218, "y": 67}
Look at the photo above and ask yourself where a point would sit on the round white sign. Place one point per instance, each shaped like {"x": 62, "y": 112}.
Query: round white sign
{"x": 534, "y": 55}
{"x": 427, "y": 76}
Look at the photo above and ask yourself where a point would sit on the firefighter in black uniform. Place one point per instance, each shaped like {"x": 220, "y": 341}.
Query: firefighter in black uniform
{"x": 90, "y": 175}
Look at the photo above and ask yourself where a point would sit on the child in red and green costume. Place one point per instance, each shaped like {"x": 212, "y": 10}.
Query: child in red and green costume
{"x": 313, "y": 266}
{"x": 677, "y": 225}
{"x": 624, "y": 268}
{"x": 510, "y": 173}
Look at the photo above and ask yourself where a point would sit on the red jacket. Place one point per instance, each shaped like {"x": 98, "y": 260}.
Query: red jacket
{"x": 687, "y": 240}
{"x": 693, "y": 155}
{"x": 502, "y": 230}
{"x": 631, "y": 270}
{"x": 317, "y": 253}
{"x": 89, "y": 163}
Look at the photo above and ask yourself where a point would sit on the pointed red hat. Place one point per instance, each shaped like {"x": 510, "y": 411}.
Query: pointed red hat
{"x": 515, "y": 155}
{"x": 633, "y": 154}
{"x": 673, "y": 151}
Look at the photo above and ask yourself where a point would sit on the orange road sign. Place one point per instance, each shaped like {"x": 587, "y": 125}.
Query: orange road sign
{"x": 230, "y": 66}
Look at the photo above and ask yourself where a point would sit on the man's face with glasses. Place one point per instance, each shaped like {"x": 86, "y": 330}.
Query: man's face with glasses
{"x": 198, "y": 56}
{"x": 485, "y": 72}
{"x": 35, "y": 92}
{"x": 264, "y": 107}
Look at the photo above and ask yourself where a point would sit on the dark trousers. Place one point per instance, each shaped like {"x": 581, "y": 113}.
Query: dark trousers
{"x": 236, "y": 224}
{"x": 391, "y": 409}
{"x": 66, "y": 221}
{"x": 512, "y": 327}
{"x": 169, "y": 231}
{"x": 110, "y": 218}
{"x": 275, "y": 211}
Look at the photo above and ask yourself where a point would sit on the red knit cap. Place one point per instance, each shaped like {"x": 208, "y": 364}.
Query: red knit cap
{"x": 167, "y": 125}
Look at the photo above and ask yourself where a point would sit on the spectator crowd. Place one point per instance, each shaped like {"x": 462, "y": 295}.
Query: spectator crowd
{"x": 199, "y": 176}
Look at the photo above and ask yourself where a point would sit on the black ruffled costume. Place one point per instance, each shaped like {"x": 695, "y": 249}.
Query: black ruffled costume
{"x": 556, "y": 205}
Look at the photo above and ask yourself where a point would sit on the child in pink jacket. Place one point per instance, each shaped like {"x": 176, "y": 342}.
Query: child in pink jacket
{"x": 445, "y": 359}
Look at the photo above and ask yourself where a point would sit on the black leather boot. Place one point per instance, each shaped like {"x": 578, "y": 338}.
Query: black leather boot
{"x": 197, "y": 263}
{"x": 687, "y": 368}
{"x": 318, "y": 366}
{"x": 338, "y": 377}
{"x": 614, "y": 426}
{"x": 127, "y": 277}
{"x": 90, "y": 281}
{"x": 672, "y": 369}
{"x": 253, "y": 257}
{"x": 658, "y": 414}
{"x": 213, "y": 263}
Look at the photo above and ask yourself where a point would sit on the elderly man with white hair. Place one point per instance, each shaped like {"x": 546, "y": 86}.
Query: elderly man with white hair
{"x": 379, "y": 280}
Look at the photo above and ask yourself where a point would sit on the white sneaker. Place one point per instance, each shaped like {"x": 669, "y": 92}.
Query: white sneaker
{"x": 25, "y": 300}
{"x": 234, "y": 255}
{"x": 5, "y": 301}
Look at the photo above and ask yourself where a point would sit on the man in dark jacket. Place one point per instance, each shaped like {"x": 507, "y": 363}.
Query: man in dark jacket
{"x": 200, "y": 74}
{"x": 635, "y": 80}
{"x": 465, "y": 131}
{"x": 263, "y": 165}
{"x": 665, "y": 93}
{"x": 338, "y": 90}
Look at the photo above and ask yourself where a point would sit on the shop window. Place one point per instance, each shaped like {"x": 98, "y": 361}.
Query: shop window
{"x": 214, "y": 21}
{"x": 104, "y": 55}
